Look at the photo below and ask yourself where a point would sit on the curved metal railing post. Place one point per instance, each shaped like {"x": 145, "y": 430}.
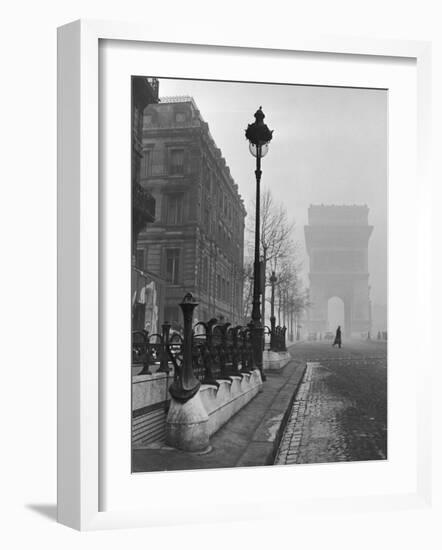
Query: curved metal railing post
{"x": 272, "y": 332}
{"x": 164, "y": 362}
{"x": 185, "y": 385}
{"x": 208, "y": 355}
{"x": 140, "y": 350}
{"x": 283, "y": 343}
{"x": 236, "y": 352}
{"x": 250, "y": 350}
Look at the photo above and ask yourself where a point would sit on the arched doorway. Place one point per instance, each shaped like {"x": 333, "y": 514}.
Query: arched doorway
{"x": 335, "y": 314}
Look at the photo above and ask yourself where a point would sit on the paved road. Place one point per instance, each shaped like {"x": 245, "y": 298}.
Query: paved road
{"x": 340, "y": 410}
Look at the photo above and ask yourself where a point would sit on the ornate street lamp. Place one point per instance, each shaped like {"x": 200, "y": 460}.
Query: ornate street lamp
{"x": 259, "y": 137}
{"x": 273, "y": 280}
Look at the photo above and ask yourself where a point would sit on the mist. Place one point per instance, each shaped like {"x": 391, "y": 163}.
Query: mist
{"x": 329, "y": 147}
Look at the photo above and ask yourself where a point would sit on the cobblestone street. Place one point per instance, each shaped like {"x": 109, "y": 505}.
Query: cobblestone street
{"x": 340, "y": 410}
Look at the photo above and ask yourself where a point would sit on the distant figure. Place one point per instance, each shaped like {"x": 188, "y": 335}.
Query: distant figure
{"x": 337, "y": 340}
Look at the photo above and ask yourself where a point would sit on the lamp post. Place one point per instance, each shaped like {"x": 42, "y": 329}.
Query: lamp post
{"x": 292, "y": 314}
{"x": 273, "y": 280}
{"x": 259, "y": 137}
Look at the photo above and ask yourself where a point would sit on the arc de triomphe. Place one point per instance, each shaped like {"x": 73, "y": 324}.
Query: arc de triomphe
{"x": 337, "y": 245}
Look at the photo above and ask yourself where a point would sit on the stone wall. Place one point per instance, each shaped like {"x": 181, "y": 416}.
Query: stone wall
{"x": 151, "y": 401}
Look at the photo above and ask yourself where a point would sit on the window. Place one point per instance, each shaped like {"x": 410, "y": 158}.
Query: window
{"x": 173, "y": 265}
{"x": 218, "y": 287}
{"x": 177, "y": 161}
{"x": 204, "y": 274}
{"x": 140, "y": 258}
{"x": 174, "y": 214}
{"x": 145, "y": 164}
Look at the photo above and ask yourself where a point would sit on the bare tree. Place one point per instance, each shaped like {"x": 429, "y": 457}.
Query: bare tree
{"x": 293, "y": 298}
{"x": 247, "y": 289}
{"x": 276, "y": 239}
{"x": 279, "y": 252}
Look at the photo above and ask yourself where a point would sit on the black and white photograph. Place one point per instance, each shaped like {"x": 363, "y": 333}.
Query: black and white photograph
{"x": 259, "y": 274}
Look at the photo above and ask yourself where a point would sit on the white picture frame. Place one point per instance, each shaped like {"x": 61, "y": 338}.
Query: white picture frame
{"x": 79, "y": 291}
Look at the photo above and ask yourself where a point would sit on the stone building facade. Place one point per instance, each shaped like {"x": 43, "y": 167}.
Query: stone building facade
{"x": 144, "y": 92}
{"x": 196, "y": 243}
{"x": 144, "y": 288}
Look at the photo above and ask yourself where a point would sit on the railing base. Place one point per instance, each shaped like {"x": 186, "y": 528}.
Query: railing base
{"x": 275, "y": 360}
{"x": 232, "y": 395}
{"x": 187, "y": 425}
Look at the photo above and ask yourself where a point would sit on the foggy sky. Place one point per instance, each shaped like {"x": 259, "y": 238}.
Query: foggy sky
{"x": 329, "y": 147}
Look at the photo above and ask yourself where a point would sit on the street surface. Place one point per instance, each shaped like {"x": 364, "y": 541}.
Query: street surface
{"x": 340, "y": 410}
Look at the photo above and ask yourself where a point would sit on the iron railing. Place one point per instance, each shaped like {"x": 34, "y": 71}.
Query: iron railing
{"x": 279, "y": 339}
{"x": 155, "y": 349}
{"x": 275, "y": 338}
{"x": 217, "y": 350}
{"x": 220, "y": 351}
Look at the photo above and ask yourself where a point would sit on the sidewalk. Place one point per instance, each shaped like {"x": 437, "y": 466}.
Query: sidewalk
{"x": 250, "y": 438}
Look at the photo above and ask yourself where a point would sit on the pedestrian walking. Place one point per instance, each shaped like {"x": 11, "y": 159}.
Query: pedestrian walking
{"x": 338, "y": 340}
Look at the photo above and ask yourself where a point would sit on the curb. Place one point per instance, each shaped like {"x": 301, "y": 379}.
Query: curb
{"x": 272, "y": 455}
